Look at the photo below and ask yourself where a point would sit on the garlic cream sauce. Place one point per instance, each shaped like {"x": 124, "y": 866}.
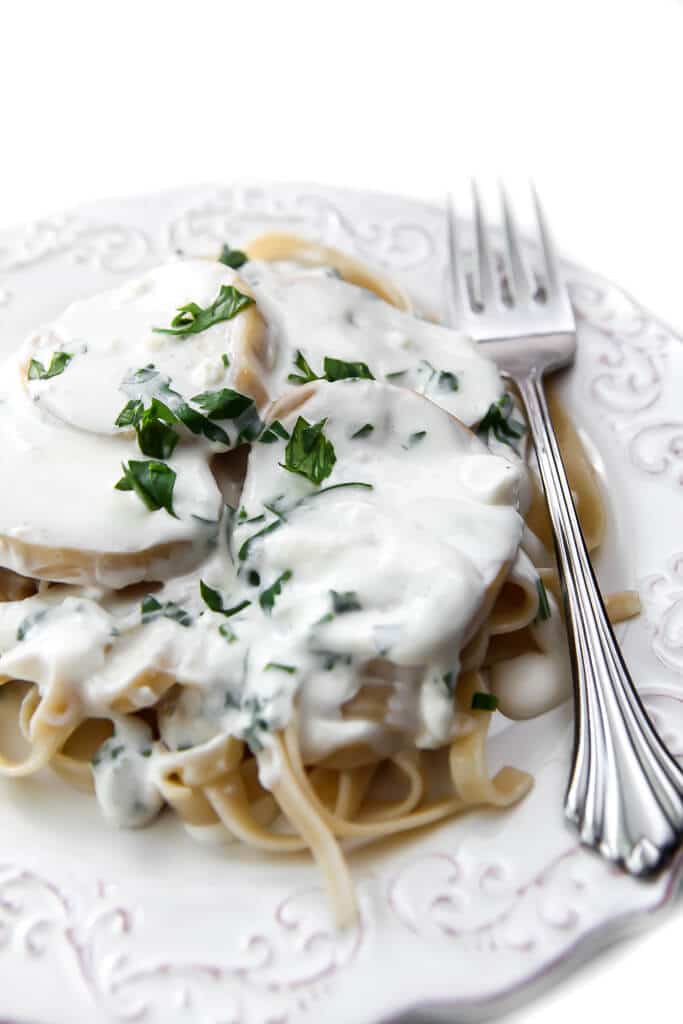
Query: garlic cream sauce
{"x": 343, "y": 601}
{"x": 321, "y": 315}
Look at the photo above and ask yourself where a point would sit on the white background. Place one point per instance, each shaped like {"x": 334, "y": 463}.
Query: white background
{"x": 110, "y": 98}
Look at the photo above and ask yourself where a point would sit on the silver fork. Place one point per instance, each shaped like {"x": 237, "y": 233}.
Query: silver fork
{"x": 625, "y": 791}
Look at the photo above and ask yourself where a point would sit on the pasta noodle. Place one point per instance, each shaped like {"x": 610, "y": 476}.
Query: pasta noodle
{"x": 379, "y": 733}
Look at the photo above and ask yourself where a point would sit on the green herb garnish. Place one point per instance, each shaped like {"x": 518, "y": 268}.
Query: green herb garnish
{"x": 449, "y": 682}
{"x": 257, "y": 726}
{"x": 338, "y": 369}
{"x": 151, "y": 609}
{"x": 498, "y": 419}
{"x": 415, "y": 438}
{"x": 58, "y": 364}
{"x": 276, "y": 665}
{"x": 153, "y": 482}
{"x": 395, "y": 375}
{"x": 338, "y": 487}
{"x": 267, "y": 597}
{"x": 225, "y": 404}
{"x": 214, "y": 601}
{"x": 273, "y": 432}
{"x": 152, "y": 425}
{"x": 244, "y": 549}
{"x": 233, "y": 258}
{"x": 483, "y": 701}
{"x": 346, "y": 601}
{"x": 225, "y": 360}
{"x": 447, "y": 381}
{"x": 227, "y": 633}
{"x": 544, "y": 611}
{"x": 333, "y": 369}
{"x": 306, "y": 375}
{"x": 366, "y": 429}
{"x": 196, "y": 423}
{"x": 130, "y": 413}
{"x": 308, "y": 451}
{"x": 156, "y": 436}
{"x": 192, "y": 319}
{"x": 29, "y": 622}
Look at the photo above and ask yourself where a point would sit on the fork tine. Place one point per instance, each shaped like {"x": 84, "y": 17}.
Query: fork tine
{"x": 487, "y": 273}
{"x": 521, "y": 283}
{"x": 554, "y": 279}
{"x": 458, "y": 283}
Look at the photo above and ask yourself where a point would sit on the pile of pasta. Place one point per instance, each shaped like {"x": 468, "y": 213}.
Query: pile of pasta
{"x": 275, "y": 798}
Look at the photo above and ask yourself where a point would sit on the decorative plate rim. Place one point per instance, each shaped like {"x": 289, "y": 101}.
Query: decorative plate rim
{"x": 102, "y": 255}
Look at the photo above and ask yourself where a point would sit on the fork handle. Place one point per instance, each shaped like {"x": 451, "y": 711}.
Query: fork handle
{"x": 625, "y": 791}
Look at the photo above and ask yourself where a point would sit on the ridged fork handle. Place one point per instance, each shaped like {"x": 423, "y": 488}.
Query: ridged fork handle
{"x": 625, "y": 791}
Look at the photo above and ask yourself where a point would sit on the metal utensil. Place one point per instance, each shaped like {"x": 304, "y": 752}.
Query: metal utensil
{"x": 625, "y": 791}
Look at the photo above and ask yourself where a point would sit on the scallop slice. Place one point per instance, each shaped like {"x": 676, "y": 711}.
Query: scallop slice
{"x": 63, "y": 519}
{"x": 413, "y": 544}
{"x": 110, "y": 336}
{"x": 322, "y": 316}
{"x": 282, "y": 247}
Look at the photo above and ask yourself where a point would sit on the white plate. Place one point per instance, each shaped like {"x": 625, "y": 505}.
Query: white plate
{"x": 99, "y": 925}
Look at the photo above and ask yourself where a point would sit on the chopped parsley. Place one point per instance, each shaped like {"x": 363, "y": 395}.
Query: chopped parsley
{"x": 544, "y": 611}
{"x": 132, "y": 381}
{"x": 227, "y": 633}
{"x": 333, "y": 369}
{"x": 213, "y": 600}
{"x": 447, "y": 381}
{"x": 331, "y": 659}
{"x": 278, "y": 666}
{"x": 225, "y": 360}
{"x": 415, "y": 438}
{"x": 29, "y": 622}
{"x": 130, "y": 413}
{"x": 338, "y": 369}
{"x": 498, "y": 419}
{"x": 151, "y": 609}
{"x": 252, "y": 734}
{"x": 366, "y": 429}
{"x": 338, "y": 487}
{"x": 192, "y": 319}
{"x": 306, "y": 374}
{"x": 153, "y": 423}
{"x": 483, "y": 701}
{"x": 109, "y": 749}
{"x": 345, "y": 601}
{"x": 225, "y": 404}
{"x": 273, "y": 432}
{"x": 233, "y": 258}
{"x": 153, "y": 482}
{"x": 58, "y": 364}
{"x": 196, "y": 423}
{"x": 308, "y": 451}
{"x": 244, "y": 549}
{"x": 268, "y": 597}
{"x": 156, "y": 437}
{"x": 428, "y": 374}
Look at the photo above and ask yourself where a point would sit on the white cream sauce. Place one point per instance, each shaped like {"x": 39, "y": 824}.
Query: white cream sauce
{"x": 354, "y": 594}
{"x": 322, "y": 316}
{"x": 61, "y": 448}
